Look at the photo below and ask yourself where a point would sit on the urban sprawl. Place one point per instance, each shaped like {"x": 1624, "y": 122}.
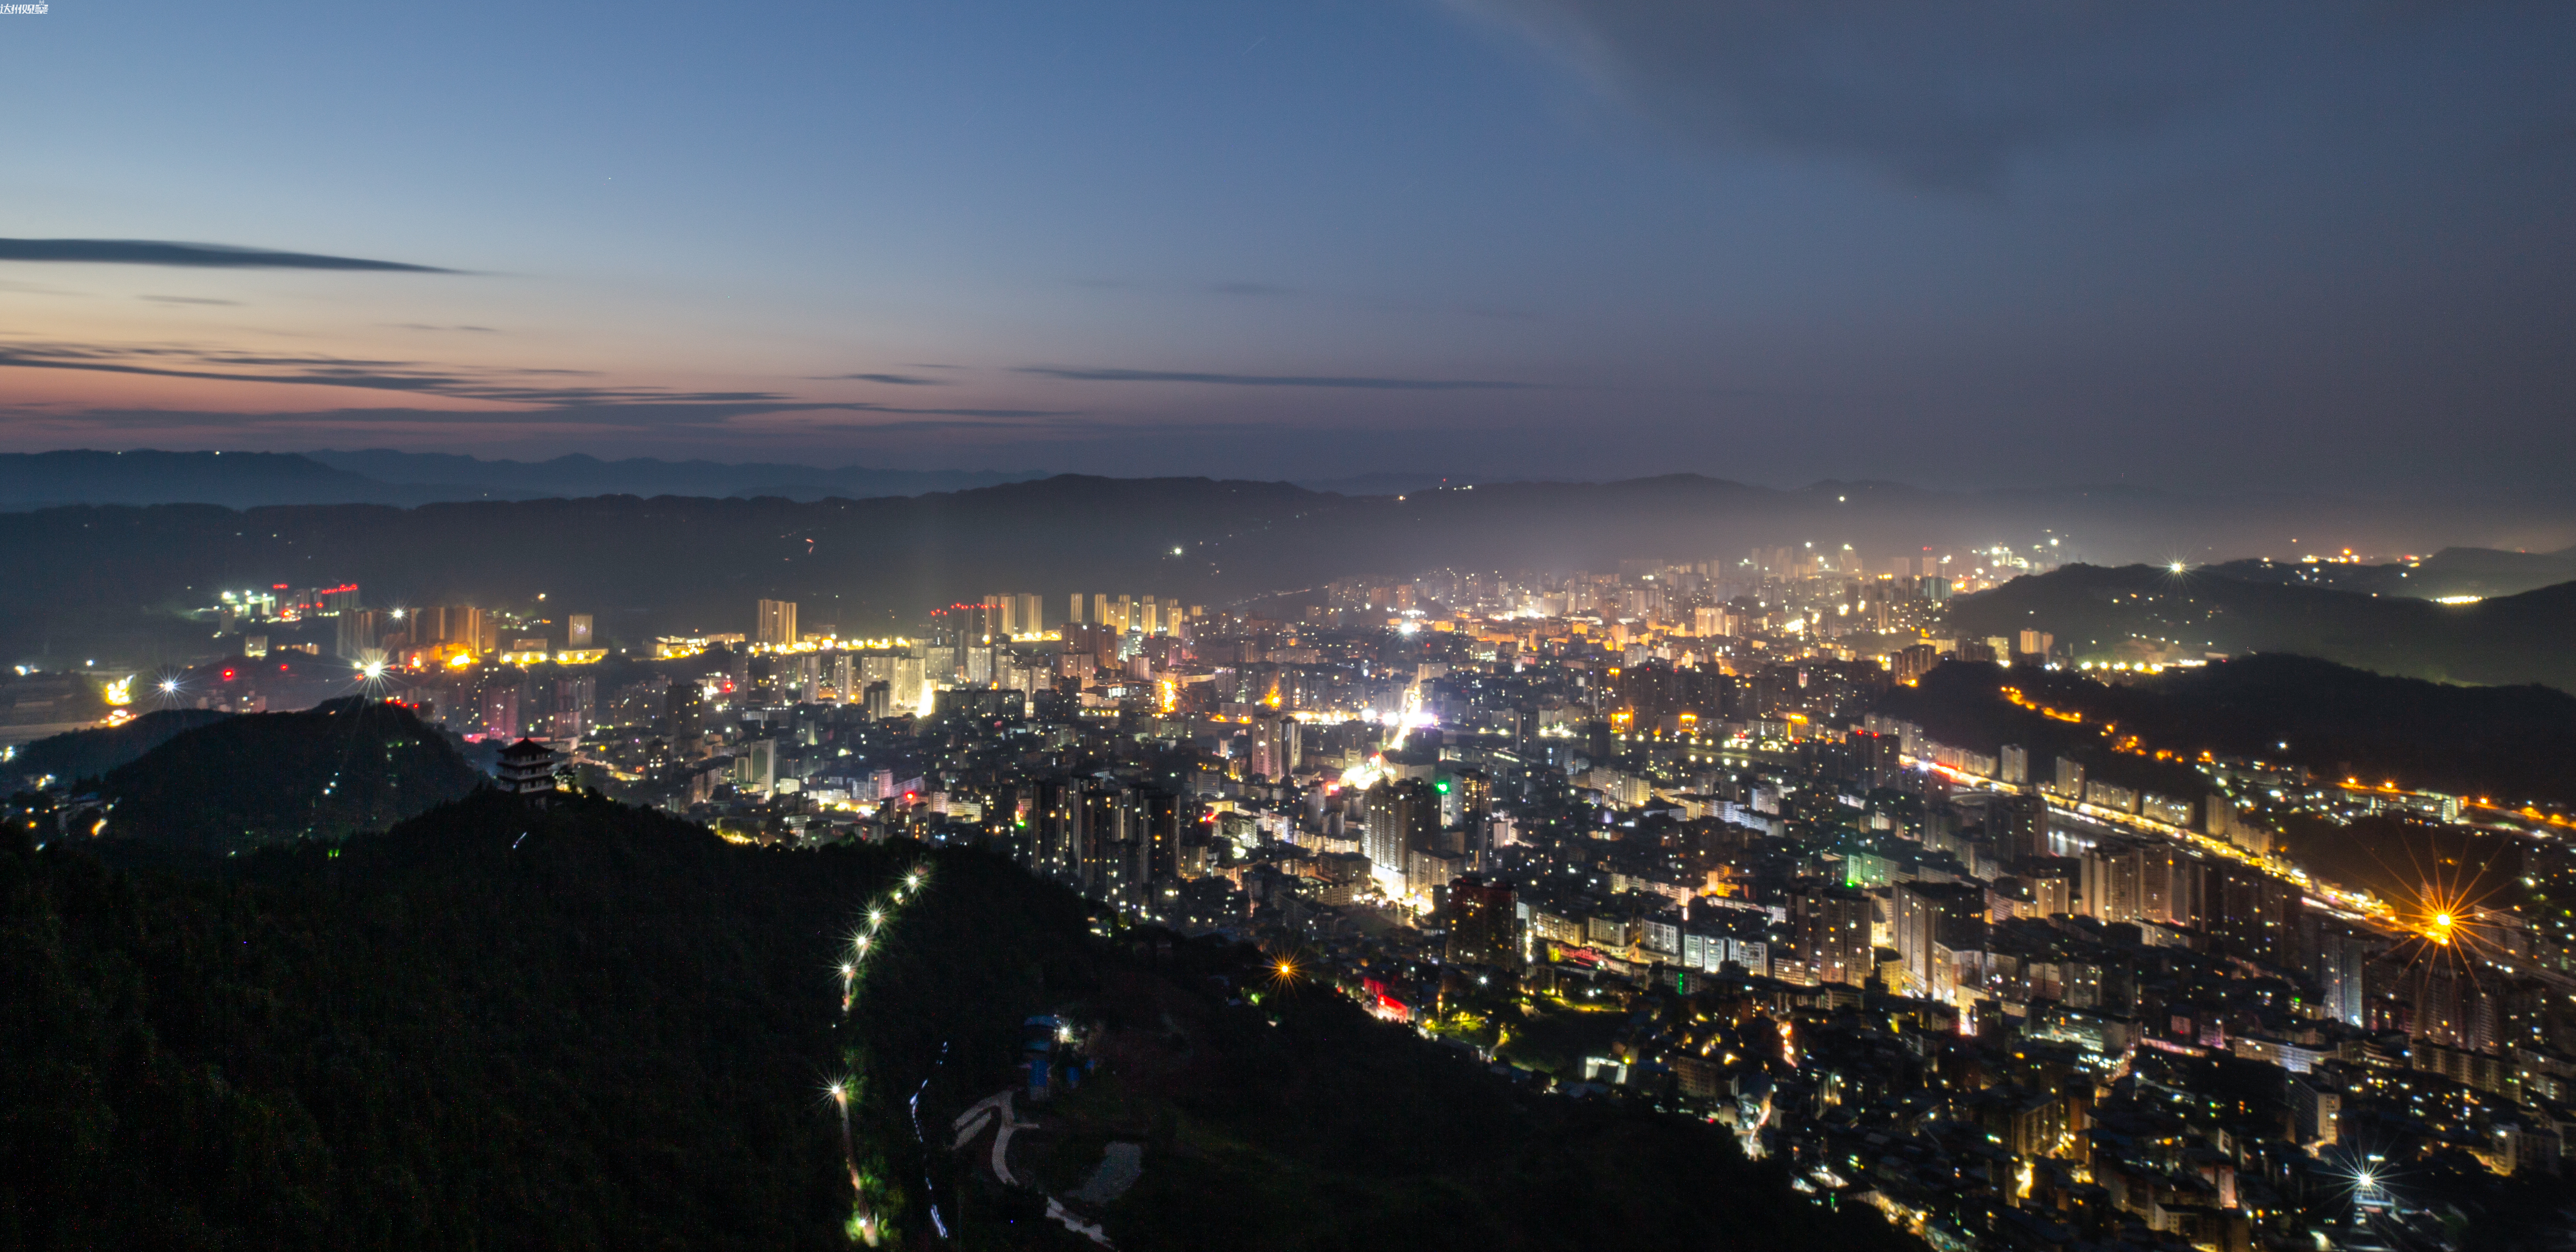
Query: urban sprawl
{"x": 1644, "y": 835}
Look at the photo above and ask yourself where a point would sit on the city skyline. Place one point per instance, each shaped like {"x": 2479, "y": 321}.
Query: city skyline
{"x": 2278, "y": 245}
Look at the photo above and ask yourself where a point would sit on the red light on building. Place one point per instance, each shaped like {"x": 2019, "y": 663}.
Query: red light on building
{"x": 228, "y": 675}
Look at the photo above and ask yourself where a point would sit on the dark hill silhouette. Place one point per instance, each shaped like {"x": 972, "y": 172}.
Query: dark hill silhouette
{"x": 87, "y": 754}
{"x": 2509, "y": 743}
{"x": 2513, "y": 639}
{"x": 575, "y": 476}
{"x": 30, "y": 480}
{"x": 580, "y": 1025}
{"x": 380, "y": 476}
{"x": 2449, "y": 572}
{"x": 341, "y": 768}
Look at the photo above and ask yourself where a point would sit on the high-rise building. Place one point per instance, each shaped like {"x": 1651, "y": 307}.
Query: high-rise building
{"x": 1933, "y": 922}
{"x": 1832, "y": 926}
{"x": 909, "y": 679}
{"x": 453, "y": 627}
{"x": 1274, "y": 745}
{"x": 777, "y": 624}
{"x": 1483, "y": 927}
{"x": 577, "y": 632}
{"x": 1402, "y": 815}
{"x": 684, "y": 710}
{"x": 2070, "y": 779}
{"x": 2549, "y": 873}
{"x": 1008, "y": 614}
{"x": 2019, "y": 825}
{"x": 361, "y": 631}
{"x": 500, "y": 711}
{"x": 755, "y": 766}
{"x": 2253, "y": 914}
{"x": 576, "y": 700}
{"x": 2012, "y": 763}
{"x": 2343, "y": 953}
{"x": 2113, "y": 883}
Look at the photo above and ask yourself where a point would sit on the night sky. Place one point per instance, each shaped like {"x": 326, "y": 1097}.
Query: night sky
{"x": 2194, "y": 245}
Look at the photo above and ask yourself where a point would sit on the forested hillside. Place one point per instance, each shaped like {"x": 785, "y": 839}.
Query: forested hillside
{"x": 502, "y": 1025}
{"x": 339, "y": 769}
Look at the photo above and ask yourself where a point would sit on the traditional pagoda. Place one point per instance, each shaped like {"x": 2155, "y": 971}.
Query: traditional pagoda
{"x": 528, "y": 766}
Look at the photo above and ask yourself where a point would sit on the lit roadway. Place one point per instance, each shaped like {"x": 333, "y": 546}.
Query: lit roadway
{"x": 2359, "y": 906}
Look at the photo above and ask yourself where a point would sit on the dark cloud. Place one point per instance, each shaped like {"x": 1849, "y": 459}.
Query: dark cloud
{"x": 190, "y": 300}
{"x": 1271, "y": 380}
{"x": 190, "y": 255}
{"x": 1949, "y": 93}
{"x": 1241, "y": 288}
{"x": 530, "y": 387}
{"x": 989, "y": 413}
{"x": 897, "y": 380}
{"x": 607, "y": 418}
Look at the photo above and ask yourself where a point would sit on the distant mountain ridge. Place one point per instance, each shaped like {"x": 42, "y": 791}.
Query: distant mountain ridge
{"x": 35, "y": 480}
{"x": 2451, "y": 572}
{"x": 2509, "y": 742}
{"x": 242, "y": 480}
{"x": 110, "y": 580}
{"x": 578, "y": 475}
{"x": 85, "y": 755}
{"x": 2097, "y": 611}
